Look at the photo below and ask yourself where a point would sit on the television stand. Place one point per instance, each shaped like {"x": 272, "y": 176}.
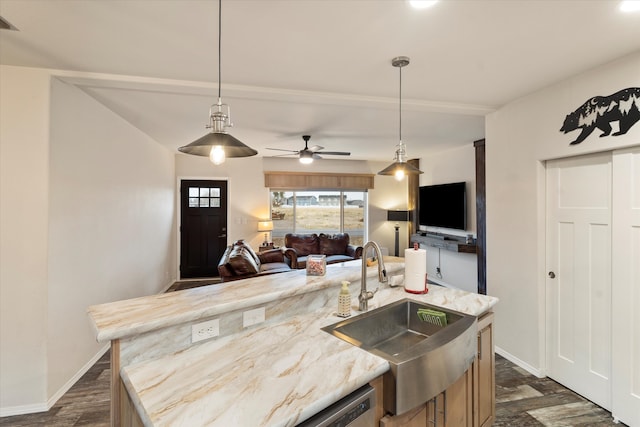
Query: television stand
{"x": 447, "y": 242}
{"x": 433, "y": 235}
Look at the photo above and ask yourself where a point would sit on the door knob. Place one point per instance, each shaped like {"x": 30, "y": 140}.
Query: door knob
{"x": 222, "y": 235}
{"x": 552, "y": 275}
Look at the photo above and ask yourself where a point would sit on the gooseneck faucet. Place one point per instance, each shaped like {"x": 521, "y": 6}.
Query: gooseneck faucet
{"x": 365, "y": 295}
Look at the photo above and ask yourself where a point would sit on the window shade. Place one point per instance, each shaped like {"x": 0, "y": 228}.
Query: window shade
{"x": 318, "y": 181}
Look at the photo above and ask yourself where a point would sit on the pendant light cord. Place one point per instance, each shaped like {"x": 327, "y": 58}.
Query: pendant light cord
{"x": 400, "y": 105}
{"x": 219, "y": 50}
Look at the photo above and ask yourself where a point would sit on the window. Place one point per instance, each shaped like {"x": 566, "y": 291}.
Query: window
{"x": 322, "y": 211}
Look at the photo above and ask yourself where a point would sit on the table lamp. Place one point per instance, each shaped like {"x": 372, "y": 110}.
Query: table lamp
{"x": 398, "y": 216}
{"x": 266, "y": 226}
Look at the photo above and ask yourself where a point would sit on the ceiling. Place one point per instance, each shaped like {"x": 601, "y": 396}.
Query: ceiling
{"x": 319, "y": 67}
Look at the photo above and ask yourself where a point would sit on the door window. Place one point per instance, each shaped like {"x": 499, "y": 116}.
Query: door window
{"x": 204, "y": 197}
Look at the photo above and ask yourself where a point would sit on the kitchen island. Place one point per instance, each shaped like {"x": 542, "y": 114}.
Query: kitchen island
{"x": 278, "y": 372}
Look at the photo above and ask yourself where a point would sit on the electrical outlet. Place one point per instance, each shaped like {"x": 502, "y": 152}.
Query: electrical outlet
{"x": 253, "y": 317}
{"x": 205, "y": 330}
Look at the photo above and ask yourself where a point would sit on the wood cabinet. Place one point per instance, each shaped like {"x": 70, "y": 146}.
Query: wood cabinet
{"x": 470, "y": 401}
{"x": 484, "y": 374}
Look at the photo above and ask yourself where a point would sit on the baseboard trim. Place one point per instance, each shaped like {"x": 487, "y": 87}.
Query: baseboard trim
{"x": 513, "y": 359}
{"x": 44, "y": 407}
{"x": 167, "y": 287}
{"x": 23, "y": 409}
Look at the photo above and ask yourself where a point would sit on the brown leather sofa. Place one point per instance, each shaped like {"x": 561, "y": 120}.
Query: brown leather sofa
{"x": 239, "y": 261}
{"x": 335, "y": 247}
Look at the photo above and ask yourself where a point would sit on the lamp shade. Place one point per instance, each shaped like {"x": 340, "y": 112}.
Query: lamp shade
{"x": 398, "y": 215}
{"x": 395, "y": 167}
{"x": 232, "y": 146}
{"x": 266, "y": 225}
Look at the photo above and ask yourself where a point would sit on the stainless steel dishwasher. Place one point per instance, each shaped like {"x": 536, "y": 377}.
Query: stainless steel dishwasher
{"x": 354, "y": 410}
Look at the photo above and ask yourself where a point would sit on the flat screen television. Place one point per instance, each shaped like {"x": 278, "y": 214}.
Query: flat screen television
{"x": 443, "y": 205}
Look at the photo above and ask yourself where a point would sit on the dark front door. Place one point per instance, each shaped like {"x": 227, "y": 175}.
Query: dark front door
{"x": 203, "y": 227}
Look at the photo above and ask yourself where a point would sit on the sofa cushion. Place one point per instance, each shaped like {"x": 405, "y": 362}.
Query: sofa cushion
{"x": 301, "y": 261}
{"x": 304, "y": 244}
{"x": 242, "y": 261}
{"x": 271, "y": 255}
{"x": 274, "y": 267}
{"x": 333, "y": 245}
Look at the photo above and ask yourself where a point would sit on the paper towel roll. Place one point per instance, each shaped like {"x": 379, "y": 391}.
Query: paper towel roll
{"x": 415, "y": 271}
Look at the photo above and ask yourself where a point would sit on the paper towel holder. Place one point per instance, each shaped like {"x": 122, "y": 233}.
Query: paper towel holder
{"x": 397, "y": 216}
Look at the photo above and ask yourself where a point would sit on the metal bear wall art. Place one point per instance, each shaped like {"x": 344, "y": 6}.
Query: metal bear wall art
{"x": 600, "y": 111}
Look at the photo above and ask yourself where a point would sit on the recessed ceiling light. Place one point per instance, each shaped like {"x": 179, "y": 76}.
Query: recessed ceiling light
{"x": 422, "y": 4}
{"x": 630, "y": 6}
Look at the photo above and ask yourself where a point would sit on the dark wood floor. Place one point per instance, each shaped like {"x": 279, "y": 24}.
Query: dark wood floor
{"x": 521, "y": 400}
{"x": 525, "y": 400}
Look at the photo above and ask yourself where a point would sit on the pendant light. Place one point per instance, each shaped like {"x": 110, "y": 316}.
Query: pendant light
{"x": 218, "y": 144}
{"x": 399, "y": 168}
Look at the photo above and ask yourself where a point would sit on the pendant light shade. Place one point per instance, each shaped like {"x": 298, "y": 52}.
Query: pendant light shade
{"x": 230, "y": 145}
{"x": 400, "y": 168}
{"x": 218, "y": 144}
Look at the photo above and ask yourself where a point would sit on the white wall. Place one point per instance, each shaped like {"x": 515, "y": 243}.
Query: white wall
{"x": 519, "y": 138}
{"x": 455, "y": 165}
{"x": 459, "y": 270}
{"x": 111, "y": 199}
{"x": 86, "y": 217}
{"x": 24, "y": 168}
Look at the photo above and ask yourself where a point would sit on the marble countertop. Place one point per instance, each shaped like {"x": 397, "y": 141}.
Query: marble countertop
{"x": 274, "y": 374}
{"x": 135, "y": 316}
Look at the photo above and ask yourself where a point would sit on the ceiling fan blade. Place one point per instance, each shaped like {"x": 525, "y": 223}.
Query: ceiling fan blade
{"x": 316, "y": 156}
{"x": 335, "y": 153}
{"x": 281, "y": 149}
{"x": 284, "y": 155}
{"x": 315, "y": 148}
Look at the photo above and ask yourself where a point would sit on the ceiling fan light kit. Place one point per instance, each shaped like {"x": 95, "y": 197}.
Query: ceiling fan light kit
{"x": 400, "y": 168}
{"x": 218, "y": 144}
{"x": 308, "y": 154}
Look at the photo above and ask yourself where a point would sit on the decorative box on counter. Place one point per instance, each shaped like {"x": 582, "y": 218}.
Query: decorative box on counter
{"x": 316, "y": 265}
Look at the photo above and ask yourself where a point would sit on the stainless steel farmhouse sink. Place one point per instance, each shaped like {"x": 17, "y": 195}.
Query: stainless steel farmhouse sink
{"x": 425, "y": 357}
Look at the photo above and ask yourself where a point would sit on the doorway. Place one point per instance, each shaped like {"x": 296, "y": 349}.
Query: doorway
{"x": 203, "y": 227}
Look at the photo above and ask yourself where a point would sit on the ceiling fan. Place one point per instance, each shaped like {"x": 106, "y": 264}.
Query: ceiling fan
{"x": 307, "y": 154}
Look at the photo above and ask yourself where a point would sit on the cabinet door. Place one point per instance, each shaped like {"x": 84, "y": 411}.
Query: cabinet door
{"x": 416, "y": 417}
{"x": 436, "y": 411}
{"x": 484, "y": 374}
{"x": 453, "y": 407}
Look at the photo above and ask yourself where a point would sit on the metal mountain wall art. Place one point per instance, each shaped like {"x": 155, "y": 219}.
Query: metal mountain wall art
{"x": 600, "y": 111}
